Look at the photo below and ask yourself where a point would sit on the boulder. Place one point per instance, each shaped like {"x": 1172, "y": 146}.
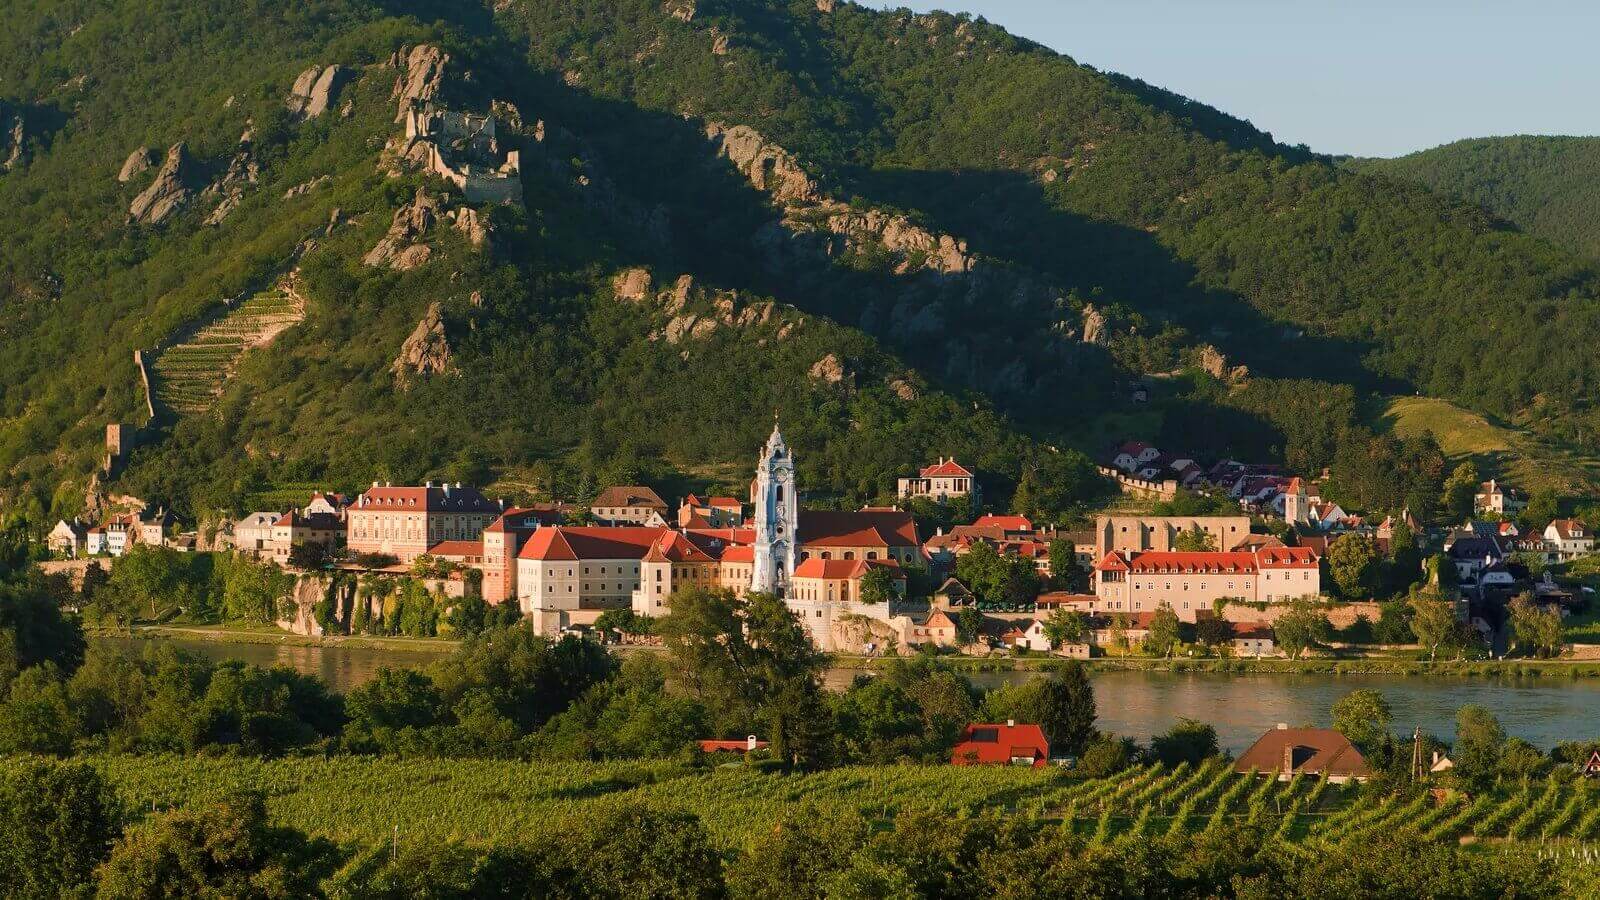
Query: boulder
{"x": 168, "y": 193}
{"x": 474, "y": 225}
{"x": 300, "y": 92}
{"x": 399, "y": 248}
{"x": 315, "y": 91}
{"x": 426, "y": 352}
{"x": 422, "y": 75}
{"x": 1094, "y": 327}
{"x": 827, "y": 369}
{"x": 137, "y": 162}
{"x": 631, "y": 284}
{"x": 682, "y": 10}
{"x": 903, "y": 389}
{"x": 826, "y": 6}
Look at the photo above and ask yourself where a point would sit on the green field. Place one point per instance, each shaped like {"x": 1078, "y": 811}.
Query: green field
{"x": 361, "y": 800}
{"x": 1508, "y": 453}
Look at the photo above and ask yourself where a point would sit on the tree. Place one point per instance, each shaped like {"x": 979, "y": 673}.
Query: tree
{"x": 877, "y": 585}
{"x": 1194, "y": 540}
{"x": 1457, "y": 502}
{"x": 308, "y": 556}
{"x": 1353, "y": 563}
{"x": 1065, "y": 572}
{"x": 1213, "y": 631}
{"x": 1065, "y": 626}
{"x": 1363, "y": 716}
{"x": 1163, "y": 638}
{"x": 969, "y": 625}
{"x": 1538, "y": 631}
{"x": 1394, "y": 623}
{"x": 1434, "y": 622}
{"x": 1442, "y": 572}
{"x": 1187, "y": 741}
{"x": 1405, "y": 560}
{"x": 799, "y": 724}
{"x": 59, "y": 822}
{"x": 33, "y": 631}
{"x": 227, "y": 849}
{"x": 1543, "y": 505}
{"x": 1479, "y": 740}
{"x": 1061, "y": 704}
{"x": 1304, "y": 626}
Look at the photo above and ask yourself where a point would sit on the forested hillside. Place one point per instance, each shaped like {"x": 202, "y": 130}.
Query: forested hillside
{"x": 1547, "y": 186}
{"x": 908, "y": 235}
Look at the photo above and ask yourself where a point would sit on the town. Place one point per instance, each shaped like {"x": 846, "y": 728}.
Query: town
{"x": 1288, "y": 573}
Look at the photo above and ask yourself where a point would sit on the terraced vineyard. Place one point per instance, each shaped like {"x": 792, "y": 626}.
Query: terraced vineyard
{"x": 361, "y": 799}
{"x": 189, "y": 376}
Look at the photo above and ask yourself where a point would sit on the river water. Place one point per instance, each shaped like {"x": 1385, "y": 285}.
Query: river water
{"x": 1543, "y": 711}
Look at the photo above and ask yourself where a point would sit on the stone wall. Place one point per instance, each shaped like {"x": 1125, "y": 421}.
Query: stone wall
{"x": 1127, "y": 484}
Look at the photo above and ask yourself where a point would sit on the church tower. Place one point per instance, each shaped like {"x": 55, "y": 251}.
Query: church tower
{"x": 777, "y": 510}
{"x": 1296, "y": 507}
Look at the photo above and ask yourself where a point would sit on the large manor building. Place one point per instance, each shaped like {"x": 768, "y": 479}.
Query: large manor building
{"x": 405, "y": 522}
{"x": 1140, "y": 582}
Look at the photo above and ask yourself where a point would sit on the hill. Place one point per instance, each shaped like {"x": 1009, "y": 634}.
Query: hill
{"x": 1514, "y": 455}
{"x": 1548, "y": 186}
{"x": 909, "y": 235}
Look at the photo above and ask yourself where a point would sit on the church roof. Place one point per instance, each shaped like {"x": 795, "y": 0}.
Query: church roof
{"x": 588, "y": 542}
{"x": 866, "y": 528}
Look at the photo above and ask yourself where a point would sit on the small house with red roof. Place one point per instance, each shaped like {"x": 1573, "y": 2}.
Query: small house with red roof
{"x": 942, "y": 481}
{"x": 1285, "y": 752}
{"x": 1008, "y": 744}
{"x": 716, "y": 512}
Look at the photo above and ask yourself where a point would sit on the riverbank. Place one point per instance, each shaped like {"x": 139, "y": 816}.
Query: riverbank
{"x": 274, "y": 637}
{"x": 1368, "y": 665}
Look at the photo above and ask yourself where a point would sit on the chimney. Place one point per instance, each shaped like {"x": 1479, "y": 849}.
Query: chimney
{"x": 427, "y": 484}
{"x": 1288, "y": 758}
{"x": 750, "y": 742}
{"x": 1011, "y": 723}
{"x": 1283, "y": 726}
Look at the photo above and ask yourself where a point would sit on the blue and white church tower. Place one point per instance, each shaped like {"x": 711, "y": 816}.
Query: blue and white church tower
{"x": 777, "y": 517}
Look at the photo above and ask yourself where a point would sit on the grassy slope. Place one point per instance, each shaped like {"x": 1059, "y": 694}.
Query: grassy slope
{"x": 1547, "y": 185}
{"x": 1509, "y": 453}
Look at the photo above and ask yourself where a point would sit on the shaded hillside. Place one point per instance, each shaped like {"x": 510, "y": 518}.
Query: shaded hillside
{"x": 1547, "y": 186}
{"x": 909, "y": 235}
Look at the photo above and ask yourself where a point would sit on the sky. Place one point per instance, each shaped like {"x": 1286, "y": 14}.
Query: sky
{"x": 1344, "y": 76}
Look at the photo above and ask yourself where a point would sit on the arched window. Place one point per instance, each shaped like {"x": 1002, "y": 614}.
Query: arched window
{"x": 849, "y": 554}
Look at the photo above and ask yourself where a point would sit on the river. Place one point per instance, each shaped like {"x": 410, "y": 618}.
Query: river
{"x": 1542, "y": 711}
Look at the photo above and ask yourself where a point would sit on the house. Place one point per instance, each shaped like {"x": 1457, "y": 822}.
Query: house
{"x": 1569, "y": 538}
{"x": 152, "y": 531}
{"x": 253, "y": 533}
{"x": 839, "y": 579}
{"x": 404, "y": 522}
{"x": 747, "y": 745}
{"x": 1133, "y": 454}
{"x": 871, "y": 533}
{"x": 1591, "y": 769}
{"x": 938, "y": 630}
{"x": 1254, "y": 640}
{"x": 1106, "y": 631}
{"x": 632, "y": 504}
{"x": 326, "y": 504}
{"x": 1190, "y": 582}
{"x": 953, "y": 593}
{"x": 502, "y": 539}
{"x": 68, "y": 539}
{"x": 94, "y": 540}
{"x": 945, "y": 480}
{"x": 1053, "y": 600}
{"x": 293, "y": 528}
{"x": 1285, "y": 752}
{"x": 1008, "y": 524}
{"x": 984, "y": 744}
{"x": 717, "y": 512}
{"x": 1500, "y": 499}
{"x": 1472, "y": 555}
{"x": 1033, "y": 638}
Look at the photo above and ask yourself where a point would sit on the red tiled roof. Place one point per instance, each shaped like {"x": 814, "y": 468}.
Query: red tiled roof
{"x": 456, "y": 548}
{"x": 725, "y": 535}
{"x": 1314, "y": 751}
{"x": 428, "y": 499}
{"x": 1286, "y": 557}
{"x": 730, "y": 746}
{"x": 674, "y": 547}
{"x": 1061, "y": 598}
{"x": 739, "y": 553}
{"x": 985, "y": 744}
{"x": 830, "y": 568}
{"x": 589, "y": 542}
{"x": 865, "y": 528}
{"x": 725, "y": 503}
{"x": 947, "y": 469}
{"x": 1009, "y": 523}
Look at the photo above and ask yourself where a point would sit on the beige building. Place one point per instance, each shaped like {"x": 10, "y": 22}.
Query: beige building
{"x": 405, "y": 521}
{"x": 1138, "y": 534}
{"x": 1191, "y": 582}
{"x": 293, "y": 528}
{"x": 946, "y": 480}
{"x": 631, "y": 504}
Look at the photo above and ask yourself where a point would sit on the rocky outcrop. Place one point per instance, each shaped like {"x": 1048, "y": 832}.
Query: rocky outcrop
{"x": 719, "y": 43}
{"x": 828, "y": 370}
{"x": 826, "y": 6}
{"x": 631, "y": 284}
{"x": 769, "y": 167}
{"x": 1214, "y": 363}
{"x": 682, "y": 10}
{"x": 844, "y": 229}
{"x": 307, "y": 187}
{"x": 169, "y": 193}
{"x": 426, "y": 352}
{"x": 242, "y": 172}
{"x": 1095, "y": 330}
{"x": 13, "y": 138}
{"x": 399, "y": 248}
{"x": 315, "y": 91}
{"x": 421, "y": 75}
{"x": 475, "y": 225}
{"x": 137, "y": 162}
{"x": 903, "y": 389}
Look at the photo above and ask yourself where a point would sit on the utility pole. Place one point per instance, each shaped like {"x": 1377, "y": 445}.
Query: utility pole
{"x": 1416, "y": 755}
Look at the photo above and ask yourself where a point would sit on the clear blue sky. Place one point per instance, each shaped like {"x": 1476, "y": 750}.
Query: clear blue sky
{"x": 1344, "y": 76}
